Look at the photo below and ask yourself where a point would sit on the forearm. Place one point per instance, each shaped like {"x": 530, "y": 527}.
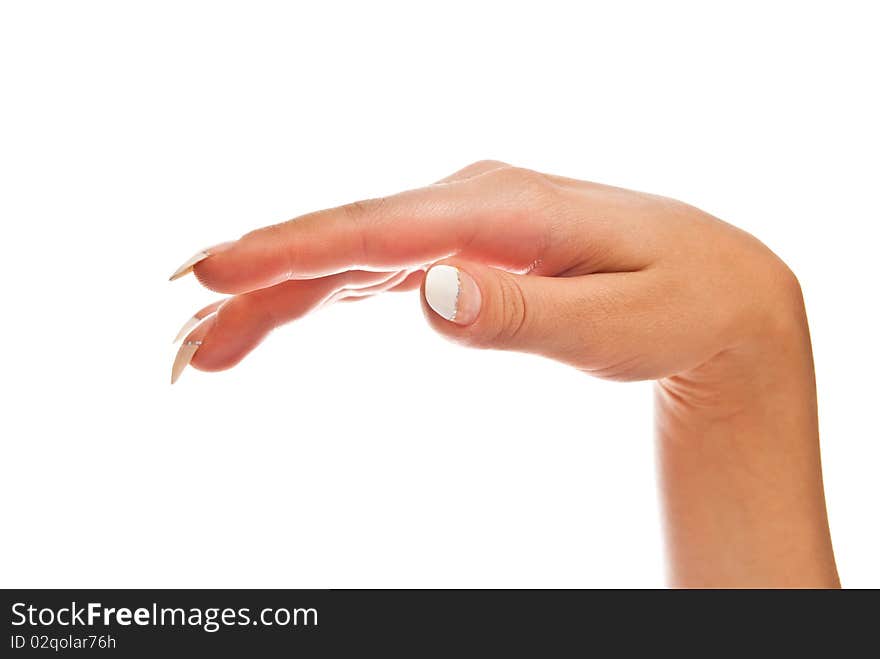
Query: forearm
{"x": 740, "y": 472}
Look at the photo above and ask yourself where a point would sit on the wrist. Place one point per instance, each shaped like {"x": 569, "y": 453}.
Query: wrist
{"x": 740, "y": 471}
{"x": 764, "y": 363}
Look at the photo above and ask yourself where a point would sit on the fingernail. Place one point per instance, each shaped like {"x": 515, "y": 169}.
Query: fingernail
{"x": 453, "y": 294}
{"x": 187, "y": 326}
{"x": 198, "y": 317}
{"x": 183, "y": 358}
{"x": 187, "y": 266}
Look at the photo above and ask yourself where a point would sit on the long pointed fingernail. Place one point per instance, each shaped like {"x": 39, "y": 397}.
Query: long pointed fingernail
{"x": 198, "y": 317}
{"x": 453, "y": 294}
{"x": 187, "y": 326}
{"x": 187, "y": 266}
{"x": 183, "y": 358}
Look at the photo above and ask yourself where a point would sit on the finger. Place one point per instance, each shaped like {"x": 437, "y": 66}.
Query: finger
{"x": 500, "y": 217}
{"x": 245, "y": 320}
{"x": 350, "y": 293}
{"x": 602, "y": 323}
{"x": 412, "y": 282}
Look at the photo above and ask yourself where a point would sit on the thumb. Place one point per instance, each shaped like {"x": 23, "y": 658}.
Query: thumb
{"x": 490, "y": 308}
{"x": 600, "y": 323}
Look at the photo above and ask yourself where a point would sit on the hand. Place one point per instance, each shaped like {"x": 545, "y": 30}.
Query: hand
{"x": 620, "y": 284}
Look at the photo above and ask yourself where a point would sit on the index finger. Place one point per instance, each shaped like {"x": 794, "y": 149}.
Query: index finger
{"x": 488, "y": 217}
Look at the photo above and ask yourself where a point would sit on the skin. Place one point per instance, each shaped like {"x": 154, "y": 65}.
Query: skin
{"x": 622, "y": 285}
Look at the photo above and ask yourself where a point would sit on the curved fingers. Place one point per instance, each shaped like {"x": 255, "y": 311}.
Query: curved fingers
{"x": 243, "y": 321}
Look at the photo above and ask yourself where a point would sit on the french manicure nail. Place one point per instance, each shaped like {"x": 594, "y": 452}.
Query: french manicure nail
{"x": 198, "y": 317}
{"x": 452, "y": 294}
{"x": 187, "y": 326}
{"x": 183, "y": 358}
{"x": 187, "y": 266}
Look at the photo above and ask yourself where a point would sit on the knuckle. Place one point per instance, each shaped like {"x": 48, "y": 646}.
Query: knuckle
{"x": 283, "y": 241}
{"x": 359, "y": 214}
{"x": 522, "y": 176}
{"x": 475, "y": 169}
{"x": 486, "y": 165}
{"x": 358, "y": 211}
{"x": 526, "y": 186}
{"x": 267, "y": 233}
{"x": 273, "y": 234}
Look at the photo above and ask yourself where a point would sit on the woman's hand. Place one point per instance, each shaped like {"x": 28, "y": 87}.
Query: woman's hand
{"x": 620, "y": 284}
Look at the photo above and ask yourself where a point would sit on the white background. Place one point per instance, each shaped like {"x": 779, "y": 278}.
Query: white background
{"x": 356, "y": 447}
